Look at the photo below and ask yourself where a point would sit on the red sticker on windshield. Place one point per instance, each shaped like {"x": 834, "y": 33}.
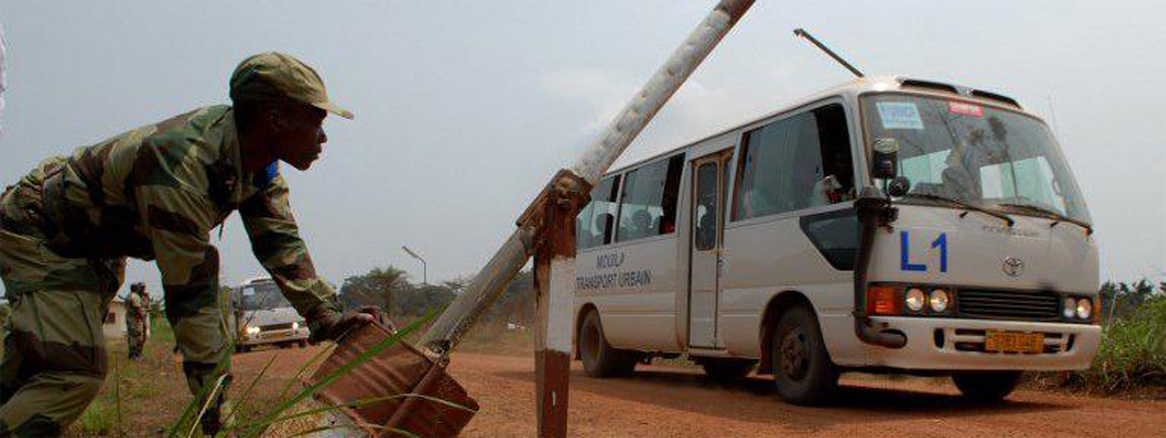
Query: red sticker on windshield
{"x": 964, "y": 108}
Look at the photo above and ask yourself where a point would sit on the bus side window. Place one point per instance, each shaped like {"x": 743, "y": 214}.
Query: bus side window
{"x": 648, "y": 203}
{"x": 594, "y": 224}
{"x": 836, "y": 161}
{"x": 799, "y": 162}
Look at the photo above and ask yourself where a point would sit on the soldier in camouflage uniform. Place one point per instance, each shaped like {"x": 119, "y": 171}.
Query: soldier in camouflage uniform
{"x": 137, "y": 313}
{"x": 155, "y": 193}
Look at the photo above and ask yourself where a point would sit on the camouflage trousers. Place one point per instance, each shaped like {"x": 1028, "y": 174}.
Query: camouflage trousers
{"x": 55, "y": 358}
{"x": 135, "y": 336}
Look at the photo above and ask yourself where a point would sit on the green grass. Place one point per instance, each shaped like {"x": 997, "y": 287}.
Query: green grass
{"x": 1132, "y": 355}
{"x": 100, "y": 419}
{"x": 129, "y": 383}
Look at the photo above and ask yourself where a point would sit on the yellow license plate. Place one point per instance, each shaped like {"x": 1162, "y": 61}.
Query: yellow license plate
{"x": 274, "y": 335}
{"x": 1012, "y": 342}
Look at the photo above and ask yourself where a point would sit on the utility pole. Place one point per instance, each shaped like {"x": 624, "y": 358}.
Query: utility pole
{"x": 424, "y": 269}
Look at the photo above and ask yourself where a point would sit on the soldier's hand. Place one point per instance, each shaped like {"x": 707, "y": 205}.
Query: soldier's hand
{"x": 334, "y": 325}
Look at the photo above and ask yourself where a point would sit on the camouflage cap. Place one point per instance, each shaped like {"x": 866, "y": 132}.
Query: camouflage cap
{"x": 275, "y": 76}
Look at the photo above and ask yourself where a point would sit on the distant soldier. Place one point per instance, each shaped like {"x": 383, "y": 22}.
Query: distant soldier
{"x": 155, "y": 193}
{"x": 137, "y": 315}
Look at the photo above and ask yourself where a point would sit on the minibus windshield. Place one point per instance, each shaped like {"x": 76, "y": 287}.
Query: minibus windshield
{"x": 262, "y": 296}
{"x": 975, "y": 154}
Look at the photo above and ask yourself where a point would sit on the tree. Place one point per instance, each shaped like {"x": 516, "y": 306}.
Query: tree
{"x": 390, "y": 289}
{"x": 516, "y": 303}
{"x": 420, "y": 300}
{"x": 372, "y": 288}
{"x": 1128, "y": 297}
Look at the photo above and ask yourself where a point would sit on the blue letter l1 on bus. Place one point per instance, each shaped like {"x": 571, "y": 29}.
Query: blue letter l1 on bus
{"x": 904, "y": 255}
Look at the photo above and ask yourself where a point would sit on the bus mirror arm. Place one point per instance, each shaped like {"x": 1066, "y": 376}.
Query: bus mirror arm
{"x": 872, "y": 208}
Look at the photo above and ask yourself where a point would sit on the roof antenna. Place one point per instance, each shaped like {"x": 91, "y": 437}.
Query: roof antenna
{"x": 802, "y": 33}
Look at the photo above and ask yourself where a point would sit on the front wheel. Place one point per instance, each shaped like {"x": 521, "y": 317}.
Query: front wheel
{"x": 802, "y": 369}
{"x": 986, "y": 386}
{"x": 599, "y": 358}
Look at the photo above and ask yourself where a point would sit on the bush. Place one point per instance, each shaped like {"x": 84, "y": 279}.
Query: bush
{"x": 1132, "y": 353}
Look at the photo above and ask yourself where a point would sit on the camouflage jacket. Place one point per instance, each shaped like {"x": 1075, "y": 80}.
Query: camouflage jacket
{"x": 157, "y": 191}
{"x": 136, "y": 306}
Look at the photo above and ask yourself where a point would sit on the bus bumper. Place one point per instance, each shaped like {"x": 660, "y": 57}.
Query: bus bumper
{"x": 958, "y": 344}
{"x": 274, "y": 336}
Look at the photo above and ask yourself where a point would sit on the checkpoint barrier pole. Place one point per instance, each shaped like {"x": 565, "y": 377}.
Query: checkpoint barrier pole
{"x": 492, "y": 279}
{"x": 547, "y": 228}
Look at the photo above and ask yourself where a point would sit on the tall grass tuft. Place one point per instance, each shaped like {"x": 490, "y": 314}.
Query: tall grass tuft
{"x": 1132, "y": 354}
{"x": 99, "y": 419}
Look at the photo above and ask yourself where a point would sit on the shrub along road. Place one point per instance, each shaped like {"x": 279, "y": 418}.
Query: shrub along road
{"x": 668, "y": 401}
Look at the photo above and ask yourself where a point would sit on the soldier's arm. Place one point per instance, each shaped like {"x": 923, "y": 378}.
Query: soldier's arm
{"x": 276, "y": 242}
{"x": 178, "y": 221}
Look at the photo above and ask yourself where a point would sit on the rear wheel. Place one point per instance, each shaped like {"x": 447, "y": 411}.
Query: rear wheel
{"x": 986, "y": 386}
{"x": 801, "y": 367}
{"x": 727, "y": 368}
{"x": 599, "y": 358}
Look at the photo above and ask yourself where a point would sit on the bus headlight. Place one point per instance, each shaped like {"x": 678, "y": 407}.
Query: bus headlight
{"x": 1069, "y": 307}
{"x": 252, "y": 330}
{"x": 1084, "y": 308}
{"x": 915, "y": 299}
{"x": 295, "y": 325}
{"x": 939, "y": 301}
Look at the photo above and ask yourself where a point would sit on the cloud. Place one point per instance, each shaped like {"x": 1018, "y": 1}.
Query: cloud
{"x": 600, "y": 93}
{"x": 696, "y": 110}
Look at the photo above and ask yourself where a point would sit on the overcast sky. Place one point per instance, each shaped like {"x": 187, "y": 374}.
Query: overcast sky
{"x": 465, "y": 109}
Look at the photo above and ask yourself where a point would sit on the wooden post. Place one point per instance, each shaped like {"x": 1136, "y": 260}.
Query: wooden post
{"x": 554, "y": 285}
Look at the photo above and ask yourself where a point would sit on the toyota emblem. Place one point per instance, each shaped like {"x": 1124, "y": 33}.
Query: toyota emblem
{"x": 1013, "y": 266}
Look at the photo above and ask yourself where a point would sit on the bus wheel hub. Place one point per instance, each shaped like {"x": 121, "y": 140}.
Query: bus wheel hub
{"x": 793, "y": 355}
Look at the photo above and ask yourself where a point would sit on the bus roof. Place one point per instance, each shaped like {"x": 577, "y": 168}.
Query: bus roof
{"x": 851, "y": 90}
{"x": 259, "y": 279}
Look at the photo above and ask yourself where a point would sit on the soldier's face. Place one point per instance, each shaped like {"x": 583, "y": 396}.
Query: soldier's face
{"x": 301, "y": 138}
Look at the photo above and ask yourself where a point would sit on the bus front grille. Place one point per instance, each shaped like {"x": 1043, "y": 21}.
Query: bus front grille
{"x": 1010, "y": 305}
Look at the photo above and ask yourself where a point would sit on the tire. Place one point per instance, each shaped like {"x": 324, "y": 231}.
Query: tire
{"x": 243, "y": 348}
{"x": 727, "y": 368}
{"x": 599, "y": 358}
{"x": 986, "y": 386}
{"x": 802, "y": 369}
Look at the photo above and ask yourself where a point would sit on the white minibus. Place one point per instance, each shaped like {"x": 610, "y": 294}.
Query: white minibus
{"x": 263, "y": 316}
{"x": 888, "y": 224}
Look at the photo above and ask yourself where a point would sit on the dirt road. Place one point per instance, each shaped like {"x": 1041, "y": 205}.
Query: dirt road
{"x": 660, "y": 401}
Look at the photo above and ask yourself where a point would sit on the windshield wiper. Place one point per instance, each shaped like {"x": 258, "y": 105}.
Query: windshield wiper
{"x": 962, "y": 204}
{"x": 1052, "y": 214}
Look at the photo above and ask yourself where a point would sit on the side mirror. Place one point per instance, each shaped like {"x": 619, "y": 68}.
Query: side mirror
{"x": 885, "y": 158}
{"x": 898, "y": 186}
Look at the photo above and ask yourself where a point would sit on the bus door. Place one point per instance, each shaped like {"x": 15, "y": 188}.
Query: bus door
{"x": 710, "y": 182}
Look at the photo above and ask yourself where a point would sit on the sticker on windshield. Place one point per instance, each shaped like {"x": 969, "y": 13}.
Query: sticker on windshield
{"x": 900, "y": 115}
{"x": 966, "y": 109}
